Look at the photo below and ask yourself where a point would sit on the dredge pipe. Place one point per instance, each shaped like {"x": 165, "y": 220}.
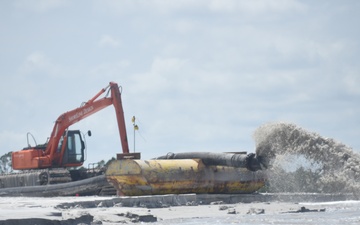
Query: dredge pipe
{"x": 249, "y": 161}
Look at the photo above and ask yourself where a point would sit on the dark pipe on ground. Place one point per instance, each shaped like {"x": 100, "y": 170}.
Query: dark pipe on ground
{"x": 249, "y": 161}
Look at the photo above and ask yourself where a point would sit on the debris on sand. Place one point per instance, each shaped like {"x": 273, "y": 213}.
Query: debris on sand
{"x": 138, "y": 218}
{"x": 255, "y": 211}
{"x": 231, "y": 211}
{"x": 84, "y": 219}
{"x": 305, "y": 210}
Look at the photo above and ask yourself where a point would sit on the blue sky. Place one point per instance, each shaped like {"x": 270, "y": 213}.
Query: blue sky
{"x": 198, "y": 75}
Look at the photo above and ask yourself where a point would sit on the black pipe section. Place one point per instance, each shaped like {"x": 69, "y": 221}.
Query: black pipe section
{"x": 249, "y": 161}
{"x": 90, "y": 186}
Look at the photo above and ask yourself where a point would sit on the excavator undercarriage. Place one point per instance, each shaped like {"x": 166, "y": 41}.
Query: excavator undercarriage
{"x": 48, "y": 182}
{"x": 34, "y": 178}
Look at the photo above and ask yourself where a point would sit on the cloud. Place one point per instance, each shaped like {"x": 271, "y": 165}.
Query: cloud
{"x": 255, "y": 6}
{"x": 108, "y": 41}
{"x": 40, "y": 5}
{"x": 109, "y": 69}
{"x": 164, "y": 7}
{"x": 164, "y": 76}
{"x": 37, "y": 62}
{"x": 185, "y": 26}
{"x": 161, "y": 65}
{"x": 352, "y": 82}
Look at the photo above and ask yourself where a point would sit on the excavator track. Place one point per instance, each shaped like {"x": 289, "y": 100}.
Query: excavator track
{"x": 35, "y": 178}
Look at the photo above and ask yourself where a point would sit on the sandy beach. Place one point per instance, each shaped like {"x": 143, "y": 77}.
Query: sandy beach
{"x": 159, "y": 209}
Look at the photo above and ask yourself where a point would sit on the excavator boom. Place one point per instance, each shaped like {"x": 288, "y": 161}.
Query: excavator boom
{"x": 62, "y": 141}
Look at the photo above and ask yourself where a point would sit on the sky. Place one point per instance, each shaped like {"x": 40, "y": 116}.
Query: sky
{"x": 197, "y": 75}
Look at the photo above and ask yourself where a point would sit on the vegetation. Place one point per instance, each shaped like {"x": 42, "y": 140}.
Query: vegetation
{"x": 5, "y": 163}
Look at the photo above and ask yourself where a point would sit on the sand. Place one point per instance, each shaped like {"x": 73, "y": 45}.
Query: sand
{"x": 114, "y": 210}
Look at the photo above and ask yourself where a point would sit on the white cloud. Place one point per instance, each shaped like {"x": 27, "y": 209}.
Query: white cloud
{"x": 165, "y": 75}
{"x": 150, "y": 6}
{"x": 255, "y": 6}
{"x": 352, "y": 82}
{"x": 165, "y": 66}
{"x": 165, "y": 7}
{"x": 184, "y": 26}
{"x": 109, "y": 41}
{"x": 110, "y": 69}
{"x": 40, "y": 5}
{"x": 38, "y": 62}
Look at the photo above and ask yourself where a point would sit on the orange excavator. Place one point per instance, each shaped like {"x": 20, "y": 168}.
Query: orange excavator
{"x": 46, "y": 163}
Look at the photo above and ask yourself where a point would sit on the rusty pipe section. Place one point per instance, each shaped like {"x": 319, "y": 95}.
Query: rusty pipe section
{"x": 249, "y": 161}
{"x": 180, "y": 176}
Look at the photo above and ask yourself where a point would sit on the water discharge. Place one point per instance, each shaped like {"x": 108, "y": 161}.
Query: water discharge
{"x": 303, "y": 161}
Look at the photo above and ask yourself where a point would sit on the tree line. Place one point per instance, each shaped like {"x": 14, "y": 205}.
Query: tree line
{"x": 5, "y": 163}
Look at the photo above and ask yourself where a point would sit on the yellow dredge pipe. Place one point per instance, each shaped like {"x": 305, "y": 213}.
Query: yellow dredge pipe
{"x": 180, "y": 176}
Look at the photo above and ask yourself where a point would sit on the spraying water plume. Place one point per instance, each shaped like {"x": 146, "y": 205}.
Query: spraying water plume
{"x": 302, "y": 161}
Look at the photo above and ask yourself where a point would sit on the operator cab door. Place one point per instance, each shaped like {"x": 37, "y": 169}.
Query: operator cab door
{"x": 74, "y": 149}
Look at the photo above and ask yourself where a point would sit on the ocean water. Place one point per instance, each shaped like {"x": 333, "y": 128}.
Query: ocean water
{"x": 345, "y": 213}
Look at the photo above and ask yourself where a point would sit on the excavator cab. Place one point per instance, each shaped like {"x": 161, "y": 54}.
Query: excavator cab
{"x": 74, "y": 152}
{"x": 71, "y": 149}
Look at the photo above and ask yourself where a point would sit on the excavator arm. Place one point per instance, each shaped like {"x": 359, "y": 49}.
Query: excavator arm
{"x": 53, "y": 154}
